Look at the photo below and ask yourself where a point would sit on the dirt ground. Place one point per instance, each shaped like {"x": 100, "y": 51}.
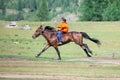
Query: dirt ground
{"x": 97, "y": 60}
{"x": 48, "y": 77}
{"x": 52, "y": 77}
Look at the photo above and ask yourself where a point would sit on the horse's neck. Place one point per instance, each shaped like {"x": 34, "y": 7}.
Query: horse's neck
{"x": 48, "y": 35}
{"x": 45, "y": 35}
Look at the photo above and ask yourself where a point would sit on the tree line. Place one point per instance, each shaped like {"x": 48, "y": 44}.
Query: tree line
{"x": 100, "y": 10}
{"x": 45, "y": 10}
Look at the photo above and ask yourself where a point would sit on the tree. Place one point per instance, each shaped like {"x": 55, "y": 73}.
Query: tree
{"x": 33, "y": 5}
{"x": 85, "y": 10}
{"x": 19, "y": 5}
{"x": 90, "y": 10}
{"x": 99, "y": 10}
{"x": 43, "y": 11}
{"x": 20, "y": 15}
{"x": 3, "y": 6}
{"x": 112, "y": 12}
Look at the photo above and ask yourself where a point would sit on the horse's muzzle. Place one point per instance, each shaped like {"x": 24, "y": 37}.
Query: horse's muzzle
{"x": 33, "y": 36}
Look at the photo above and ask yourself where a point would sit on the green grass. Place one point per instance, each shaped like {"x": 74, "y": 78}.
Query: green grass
{"x": 19, "y": 43}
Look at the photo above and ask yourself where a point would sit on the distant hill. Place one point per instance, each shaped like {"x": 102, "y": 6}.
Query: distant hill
{"x": 28, "y": 8}
{"x": 50, "y": 10}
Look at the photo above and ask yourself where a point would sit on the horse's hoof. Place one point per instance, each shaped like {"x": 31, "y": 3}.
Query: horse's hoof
{"x": 36, "y": 56}
{"x": 89, "y": 56}
{"x": 91, "y": 52}
{"x": 59, "y": 58}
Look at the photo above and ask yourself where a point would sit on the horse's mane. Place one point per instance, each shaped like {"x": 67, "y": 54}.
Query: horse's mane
{"x": 49, "y": 28}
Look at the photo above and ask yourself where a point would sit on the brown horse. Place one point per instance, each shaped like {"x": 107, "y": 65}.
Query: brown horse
{"x": 50, "y": 34}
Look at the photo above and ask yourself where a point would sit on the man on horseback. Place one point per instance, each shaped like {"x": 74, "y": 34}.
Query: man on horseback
{"x": 63, "y": 28}
{"x": 50, "y": 35}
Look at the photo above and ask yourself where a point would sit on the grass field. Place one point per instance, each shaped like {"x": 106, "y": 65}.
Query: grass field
{"x": 18, "y": 45}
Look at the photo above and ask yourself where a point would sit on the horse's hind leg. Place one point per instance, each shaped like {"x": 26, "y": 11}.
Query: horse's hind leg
{"x": 87, "y": 53}
{"x": 58, "y": 52}
{"x": 86, "y": 49}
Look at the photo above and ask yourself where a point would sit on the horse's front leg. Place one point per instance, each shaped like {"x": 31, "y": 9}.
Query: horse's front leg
{"x": 44, "y": 49}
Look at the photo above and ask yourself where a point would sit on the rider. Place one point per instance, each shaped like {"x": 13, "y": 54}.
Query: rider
{"x": 63, "y": 28}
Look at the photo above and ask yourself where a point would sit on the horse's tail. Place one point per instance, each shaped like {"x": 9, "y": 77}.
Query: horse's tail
{"x": 86, "y": 36}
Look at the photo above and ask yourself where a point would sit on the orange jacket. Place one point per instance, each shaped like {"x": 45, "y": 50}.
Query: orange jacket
{"x": 63, "y": 27}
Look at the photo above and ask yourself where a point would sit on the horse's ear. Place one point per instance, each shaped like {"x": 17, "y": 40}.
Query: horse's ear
{"x": 40, "y": 26}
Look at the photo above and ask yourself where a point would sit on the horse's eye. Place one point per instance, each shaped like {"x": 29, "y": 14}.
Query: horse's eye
{"x": 37, "y": 31}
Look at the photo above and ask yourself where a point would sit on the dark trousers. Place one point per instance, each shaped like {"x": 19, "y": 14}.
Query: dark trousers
{"x": 59, "y": 36}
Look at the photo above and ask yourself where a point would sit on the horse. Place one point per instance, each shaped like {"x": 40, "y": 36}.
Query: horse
{"x": 50, "y": 34}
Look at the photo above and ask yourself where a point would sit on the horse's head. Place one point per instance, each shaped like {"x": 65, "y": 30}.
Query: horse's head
{"x": 38, "y": 32}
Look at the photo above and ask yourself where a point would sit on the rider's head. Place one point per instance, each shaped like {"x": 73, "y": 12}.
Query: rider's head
{"x": 63, "y": 19}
